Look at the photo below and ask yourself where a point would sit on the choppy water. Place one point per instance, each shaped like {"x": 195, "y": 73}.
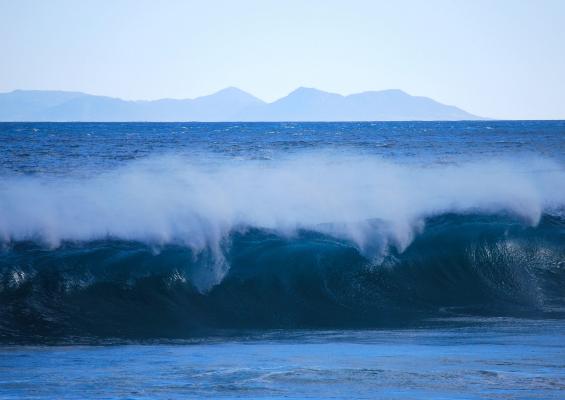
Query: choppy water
{"x": 506, "y": 359}
{"x": 398, "y": 260}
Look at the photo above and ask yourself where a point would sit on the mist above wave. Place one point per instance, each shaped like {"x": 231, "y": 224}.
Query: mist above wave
{"x": 171, "y": 199}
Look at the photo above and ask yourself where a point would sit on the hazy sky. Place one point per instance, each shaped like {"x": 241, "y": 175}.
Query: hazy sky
{"x": 502, "y": 59}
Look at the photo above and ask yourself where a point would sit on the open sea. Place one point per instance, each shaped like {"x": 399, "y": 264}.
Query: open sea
{"x": 395, "y": 260}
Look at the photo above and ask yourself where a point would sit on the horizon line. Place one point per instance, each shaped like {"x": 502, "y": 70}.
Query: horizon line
{"x": 482, "y": 120}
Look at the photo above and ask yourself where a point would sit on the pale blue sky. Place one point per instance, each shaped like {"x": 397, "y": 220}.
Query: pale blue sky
{"x": 495, "y": 58}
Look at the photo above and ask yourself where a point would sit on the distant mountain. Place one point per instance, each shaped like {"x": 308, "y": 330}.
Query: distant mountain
{"x": 230, "y": 104}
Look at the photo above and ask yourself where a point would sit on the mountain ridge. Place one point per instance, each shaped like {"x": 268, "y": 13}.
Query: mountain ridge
{"x": 229, "y": 104}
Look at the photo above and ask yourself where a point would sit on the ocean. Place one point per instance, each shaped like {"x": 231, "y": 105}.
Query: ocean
{"x": 394, "y": 260}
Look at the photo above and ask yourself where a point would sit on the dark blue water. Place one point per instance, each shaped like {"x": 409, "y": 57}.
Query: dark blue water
{"x": 30, "y": 148}
{"x": 265, "y": 260}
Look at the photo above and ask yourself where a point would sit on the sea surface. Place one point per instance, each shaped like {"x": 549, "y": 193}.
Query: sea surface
{"x": 394, "y": 260}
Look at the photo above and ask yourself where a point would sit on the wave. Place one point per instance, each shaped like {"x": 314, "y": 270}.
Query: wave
{"x": 170, "y": 247}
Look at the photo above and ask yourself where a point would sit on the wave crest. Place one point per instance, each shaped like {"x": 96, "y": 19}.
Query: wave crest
{"x": 374, "y": 204}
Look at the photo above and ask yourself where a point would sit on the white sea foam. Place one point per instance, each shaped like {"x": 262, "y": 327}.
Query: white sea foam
{"x": 170, "y": 199}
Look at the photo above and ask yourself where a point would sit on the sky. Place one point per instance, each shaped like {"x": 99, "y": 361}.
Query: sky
{"x": 493, "y": 58}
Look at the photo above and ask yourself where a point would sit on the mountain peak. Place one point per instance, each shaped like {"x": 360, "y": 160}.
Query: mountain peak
{"x": 232, "y": 93}
{"x": 303, "y": 92}
{"x": 307, "y": 90}
{"x": 232, "y": 90}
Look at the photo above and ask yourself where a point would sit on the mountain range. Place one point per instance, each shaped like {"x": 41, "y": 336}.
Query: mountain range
{"x": 230, "y": 104}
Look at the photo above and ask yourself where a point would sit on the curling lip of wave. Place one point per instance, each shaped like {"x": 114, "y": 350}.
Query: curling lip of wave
{"x": 370, "y": 202}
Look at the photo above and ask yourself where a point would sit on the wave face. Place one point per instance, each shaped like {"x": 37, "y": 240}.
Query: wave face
{"x": 457, "y": 266}
{"x": 173, "y": 247}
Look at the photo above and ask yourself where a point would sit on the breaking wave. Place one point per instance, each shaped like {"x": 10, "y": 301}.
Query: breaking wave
{"x": 170, "y": 247}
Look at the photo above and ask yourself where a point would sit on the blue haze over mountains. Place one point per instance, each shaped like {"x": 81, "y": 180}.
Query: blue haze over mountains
{"x": 230, "y": 104}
